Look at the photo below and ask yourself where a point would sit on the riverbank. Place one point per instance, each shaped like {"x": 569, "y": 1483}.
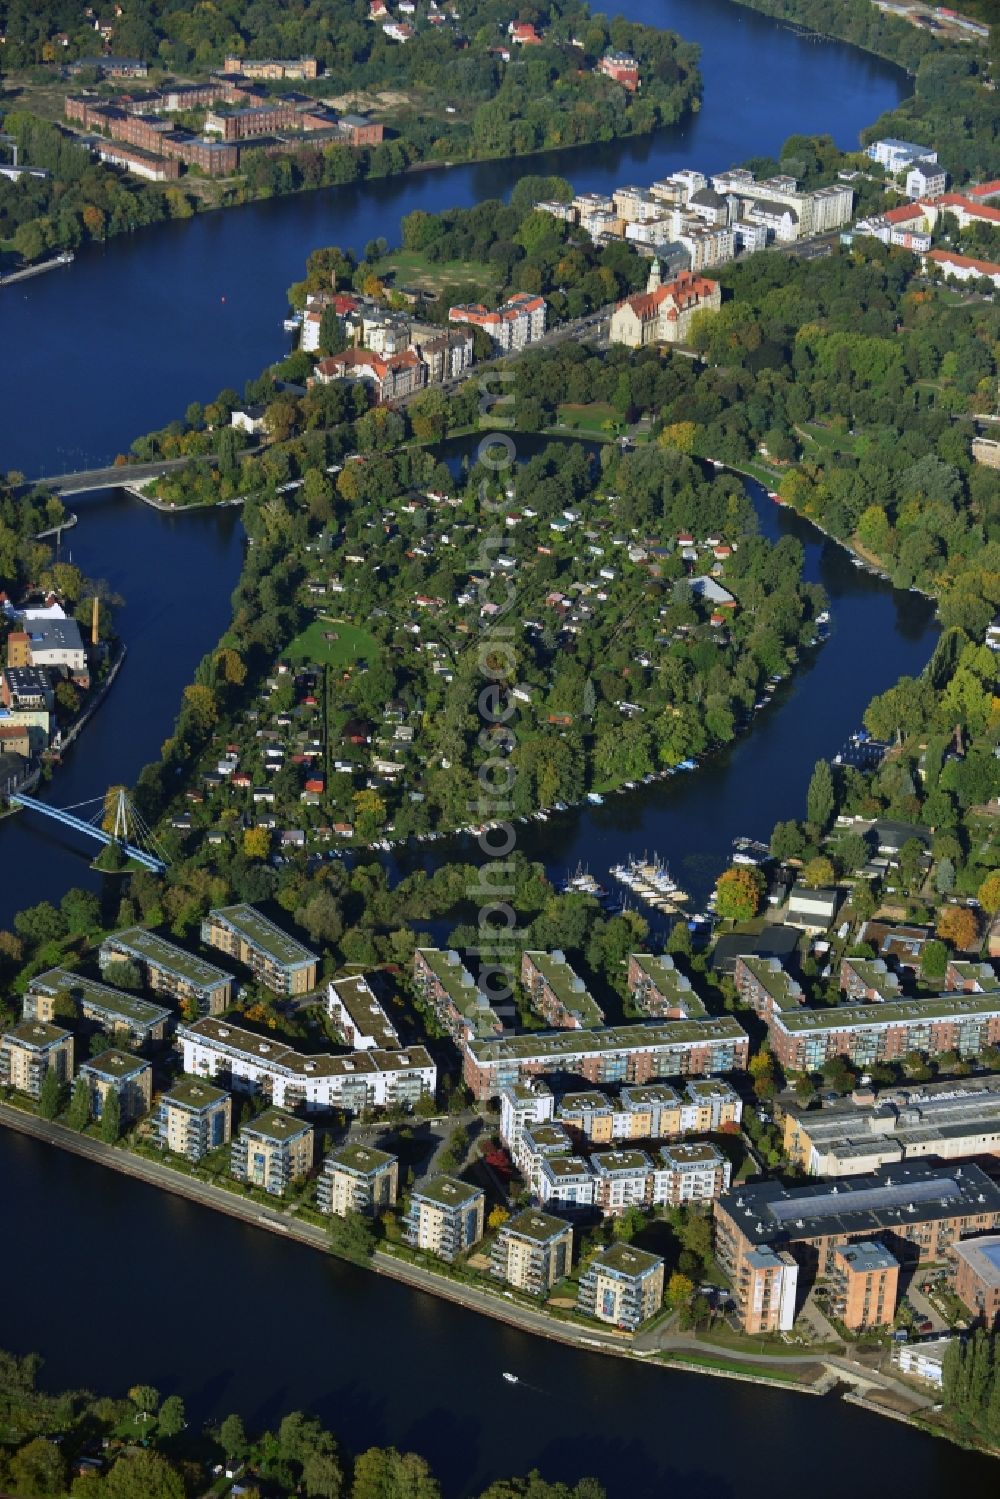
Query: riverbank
{"x": 813, "y": 1374}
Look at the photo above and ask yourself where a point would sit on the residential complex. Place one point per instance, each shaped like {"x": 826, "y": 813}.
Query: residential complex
{"x": 765, "y": 1287}
{"x": 519, "y": 322}
{"x": 29, "y": 1051}
{"x": 637, "y": 1053}
{"x": 272, "y": 1151}
{"x": 357, "y": 1179}
{"x": 441, "y": 978}
{"x": 942, "y": 1121}
{"x": 557, "y": 993}
{"x": 918, "y": 1212}
{"x": 195, "y": 1118}
{"x": 168, "y": 969}
{"x": 659, "y": 989}
{"x": 445, "y": 1217}
{"x": 358, "y": 1016}
{"x": 128, "y": 1077}
{"x": 532, "y": 1251}
{"x": 977, "y": 1276}
{"x": 359, "y": 1080}
{"x": 623, "y": 1286}
{"x": 275, "y": 959}
{"x": 864, "y": 1285}
{"x": 112, "y": 1009}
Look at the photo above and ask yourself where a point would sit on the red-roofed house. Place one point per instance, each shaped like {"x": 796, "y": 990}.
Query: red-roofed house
{"x": 664, "y": 314}
{"x": 622, "y": 68}
{"x": 524, "y": 34}
{"x": 520, "y": 321}
{"x": 393, "y": 377}
{"x": 963, "y": 267}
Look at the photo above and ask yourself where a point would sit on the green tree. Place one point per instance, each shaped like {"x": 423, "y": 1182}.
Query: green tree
{"x": 143, "y": 1475}
{"x": 233, "y": 1437}
{"x": 384, "y": 1473}
{"x": 78, "y": 1113}
{"x": 111, "y": 1118}
{"x": 353, "y": 1236}
{"x": 680, "y": 1289}
{"x": 819, "y": 872}
{"x": 38, "y": 1468}
{"x": 934, "y": 959}
{"x": 171, "y": 1420}
{"x": 51, "y": 1095}
{"x": 821, "y": 800}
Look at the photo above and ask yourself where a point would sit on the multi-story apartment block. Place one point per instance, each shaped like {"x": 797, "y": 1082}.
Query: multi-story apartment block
{"x": 622, "y": 1179}
{"x": 557, "y": 993}
{"x": 195, "y": 1118}
{"x": 865, "y": 1285}
{"x": 357, "y": 1179}
{"x": 274, "y": 958}
{"x": 660, "y": 989}
{"x": 623, "y": 1286}
{"x": 442, "y": 979}
{"x": 250, "y": 1063}
{"x": 868, "y": 980}
{"x": 765, "y": 1290}
{"x": 691, "y": 1171}
{"x": 971, "y": 978}
{"x": 532, "y": 1251}
{"x": 636, "y": 1054}
{"x": 168, "y": 969}
{"x": 112, "y": 1009}
{"x": 519, "y": 322}
{"x": 898, "y": 155}
{"x": 565, "y": 1183}
{"x": 919, "y": 1212}
{"x": 118, "y": 1072}
{"x": 272, "y": 1151}
{"x": 977, "y": 1276}
{"x": 445, "y": 1217}
{"x": 539, "y": 1143}
{"x": 358, "y": 1016}
{"x": 957, "y": 1120}
{"x": 271, "y": 67}
{"x": 28, "y": 1052}
{"x": 523, "y": 1104}
{"x": 764, "y": 985}
{"x": 865, "y": 1033}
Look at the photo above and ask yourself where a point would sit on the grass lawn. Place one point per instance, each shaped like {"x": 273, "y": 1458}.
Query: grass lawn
{"x": 351, "y": 642}
{"x": 412, "y": 268}
{"x": 588, "y": 418}
{"x": 827, "y": 440}
{"x": 733, "y": 1366}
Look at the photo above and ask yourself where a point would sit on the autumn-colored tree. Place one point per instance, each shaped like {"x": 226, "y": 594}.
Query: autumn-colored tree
{"x": 232, "y": 667}
{"x": 680, "y": 1289}
{"x": 679, "y": 435}
{"x": 739, "y": 892}
{"x": 369, "y": 813}
{"x": 958, "y": 925}
{"x": 819, "y": 872}
{"x": 498, "y": 1217}
{"x": 111, "y": 797}
{"x": 989, "y": 893}
{"x": 200, "y": 707}
{"x": 256, "y": 843}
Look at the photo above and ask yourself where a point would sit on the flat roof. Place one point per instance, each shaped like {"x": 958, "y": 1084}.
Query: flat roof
{"x": 643, "y": 1035}
{"x": 276, "y": 1124}
{"x": 900, "y": 1194}
{"x": 982, "y": 1255}
{"x": 910, "y": 1011}
{"x": 609, "y": 1162}
{"x": 115, "y": 1064}
{"x": 36, "y": 1033}
{"x": 364, "y": 1010}
{"x": 776, "y": 981}
{"x": 360, "y": 1160}
{"x": 460, "y": 987}
{"x": 541, "y": 1228}
{"x": 194, "y": 1093}
{"x": 585, "y": 1102}
{"x": 692, "y": 1153}
{"x": 661, "y": 970}
{"x": 151, "y": 948}
{"x": 649, "y": 1094}
{"x": 447, "y": 1192}
{"x": 865, "y": 1257}
{"x": 232, "y": 1039}
{"x": 265, "y": 935}
{"x": 566, "y": 1166}
{"x": 626, "y": 1259}
{"x": 99, "y": 996}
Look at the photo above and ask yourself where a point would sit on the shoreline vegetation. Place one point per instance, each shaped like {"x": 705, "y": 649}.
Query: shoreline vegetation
{"x": 511, "y": 99}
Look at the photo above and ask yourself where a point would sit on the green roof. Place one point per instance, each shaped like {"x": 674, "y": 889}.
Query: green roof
{"x": 673, "y": 984}
{"x": 626, "y": 1259}
{"x": 691, "y": 1152}
{"x": 193, "y": 1093}
{"x": 149, "y": 947}
{"x": 606, "y": 1162}
{"x": 98, "y": 996}
{"x": 916, "y": 1011}
{"x": 263, "y": 934}
{"x": 37, "y": 1033}
{"x": 275, "y": 1124}
{"x": 778, "y": 984}
{"x": 547, "y": 1045}
{"x": 116, "y": 1064}
{"x": 589, "y": 1102}
{"x": 540, "y": 1227}
{"x": 363, "y": 1160}
{"x": 568, "y": 988}
{"x": 447, "y": 1192}
{"x": 461, "y": 988}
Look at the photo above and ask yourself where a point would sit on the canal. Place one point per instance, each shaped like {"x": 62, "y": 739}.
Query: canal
{"x": 119, "y": 344}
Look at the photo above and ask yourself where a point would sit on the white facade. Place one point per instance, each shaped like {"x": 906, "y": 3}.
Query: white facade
{"x": 523, "y": 1104}
{"x": 894, "y": 154}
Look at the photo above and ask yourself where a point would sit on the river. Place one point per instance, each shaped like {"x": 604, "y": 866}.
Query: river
{"x": 119, "y": 344}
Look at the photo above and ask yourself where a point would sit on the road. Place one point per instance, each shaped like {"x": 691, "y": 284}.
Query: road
{"x": 114, "y": 474}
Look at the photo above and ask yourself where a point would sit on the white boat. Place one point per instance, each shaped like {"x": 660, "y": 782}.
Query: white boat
{"x": 595, "y": 798}
{"x": 510, "y": 1378}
